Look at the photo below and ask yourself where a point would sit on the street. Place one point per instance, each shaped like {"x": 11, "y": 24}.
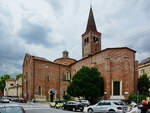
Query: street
{"x": 51, "y": 110}
{"x": 40, "y": 108}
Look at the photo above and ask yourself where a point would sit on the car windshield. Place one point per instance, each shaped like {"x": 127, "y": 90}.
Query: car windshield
{"x": 83, "y": 100}
{"x": 11, "y": 110}
{"x": 73, "y": 102}
{"x": 118, "y": 103}
{"x": 77, "y": 102}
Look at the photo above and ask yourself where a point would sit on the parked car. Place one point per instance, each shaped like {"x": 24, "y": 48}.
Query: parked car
{"x": 84, "y": 102}
{"x": 105, "y": 106}
{"x": 11, "y": 109}
{"x": 22, "y": 100}
{"x": 4, "y": 100}
{"x": 73, "y": 106}
{"x": 15, "y": 99}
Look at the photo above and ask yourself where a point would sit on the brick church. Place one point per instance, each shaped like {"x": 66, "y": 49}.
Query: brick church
{"x": 117, "y": 66}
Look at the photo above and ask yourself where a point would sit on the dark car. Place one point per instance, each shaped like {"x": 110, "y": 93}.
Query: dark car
{"x": 84, "y": 102}
{"x": 73, "y": 106}
{"x": 11, "y": 109}
{"x": 15, "y": 99}
{"x": 22, "y": 100}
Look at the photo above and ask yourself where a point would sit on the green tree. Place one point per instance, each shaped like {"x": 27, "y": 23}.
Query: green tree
{"x": 87, "y": 83}
{"x": 144, "y": 85}
{"x": 67, "y": 97}
{"x": 18, "y": 76}
{"x": 136, "y": 98}
{"x": 2, "y": 82}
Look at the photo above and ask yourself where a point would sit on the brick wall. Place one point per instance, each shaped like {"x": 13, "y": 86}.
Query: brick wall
{"x": 114, "y": 64}
{"x": 27, "y": 77}
{"x": 49, "y": 76}
{"x": 46, "y": 74}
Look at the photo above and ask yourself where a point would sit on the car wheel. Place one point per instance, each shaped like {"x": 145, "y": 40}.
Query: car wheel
{"x": 111, "y": 111}
{"x": 73, "y": 109}
{"x": 90, "y": 110}
{"x": 63, "y": 108}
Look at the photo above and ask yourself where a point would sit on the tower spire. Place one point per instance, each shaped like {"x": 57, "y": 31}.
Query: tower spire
{"x": 91, "y": 26}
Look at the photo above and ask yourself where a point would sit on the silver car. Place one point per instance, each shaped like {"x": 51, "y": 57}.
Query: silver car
{"x": 107, "y": 106}
{"x": 84, "y": 102}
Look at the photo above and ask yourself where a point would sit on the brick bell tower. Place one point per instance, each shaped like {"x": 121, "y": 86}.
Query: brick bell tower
{"x": 91, "y": 39}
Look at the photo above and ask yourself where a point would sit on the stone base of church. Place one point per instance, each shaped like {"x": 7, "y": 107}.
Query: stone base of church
{"x": 117, "y": 97}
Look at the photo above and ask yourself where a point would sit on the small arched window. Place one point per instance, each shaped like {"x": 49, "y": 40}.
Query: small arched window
{"x": 86, "y": 41}
{"x": 39, "y": 90}
{"x": 95, "y": 39}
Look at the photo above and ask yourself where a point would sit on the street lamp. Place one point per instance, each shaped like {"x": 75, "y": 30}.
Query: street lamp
{"x": 46, "y": 82}
{"x": 17, "y": 88}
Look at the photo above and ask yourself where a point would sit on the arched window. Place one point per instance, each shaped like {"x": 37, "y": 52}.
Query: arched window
{"x": 86, "y": 41}
{"x": 39, "y": 90}
{"x": 95, "y": 39}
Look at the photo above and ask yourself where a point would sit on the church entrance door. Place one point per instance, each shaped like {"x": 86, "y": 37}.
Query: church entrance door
{"x": 116, "y": 88}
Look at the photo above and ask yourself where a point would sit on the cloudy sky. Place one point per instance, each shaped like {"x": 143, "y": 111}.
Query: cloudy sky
{"x": 47, "y": 27}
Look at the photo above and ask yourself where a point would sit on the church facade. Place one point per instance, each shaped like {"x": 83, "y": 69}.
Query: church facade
{"x": 117, "y": 66}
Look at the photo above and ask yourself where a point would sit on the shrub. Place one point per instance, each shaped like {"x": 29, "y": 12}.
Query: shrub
{"x": 67, "y": 97}
{"x": 136, "y": 98}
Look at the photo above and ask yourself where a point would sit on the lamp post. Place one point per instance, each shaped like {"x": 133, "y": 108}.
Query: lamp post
{"x": 17, "y": 88}
{"x": 46, "y": 82}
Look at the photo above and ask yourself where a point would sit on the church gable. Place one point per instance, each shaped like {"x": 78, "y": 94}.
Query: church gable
{"x": 28, "y": 61}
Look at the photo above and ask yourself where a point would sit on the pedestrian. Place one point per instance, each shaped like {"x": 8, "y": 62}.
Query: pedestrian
{"x": 144, "y": 109}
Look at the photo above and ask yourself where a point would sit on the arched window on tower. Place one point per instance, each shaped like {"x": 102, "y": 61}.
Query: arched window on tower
{"x": 95, "y": 39}
{"x": 86, "y": 41}
{"x": 39, "y": 90}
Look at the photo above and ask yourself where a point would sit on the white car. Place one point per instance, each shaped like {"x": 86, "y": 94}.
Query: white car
{"x": 5, "y": 100}
{"x": 106, "y": 106}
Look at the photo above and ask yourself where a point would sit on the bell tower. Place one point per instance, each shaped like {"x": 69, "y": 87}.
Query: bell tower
{"x": 91, "y": 39}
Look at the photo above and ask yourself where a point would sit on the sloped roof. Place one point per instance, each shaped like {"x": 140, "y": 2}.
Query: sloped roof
{"x": 40, "y": 58}
{"x": 11, "y": 79}
{"x": 147, "y": 60}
